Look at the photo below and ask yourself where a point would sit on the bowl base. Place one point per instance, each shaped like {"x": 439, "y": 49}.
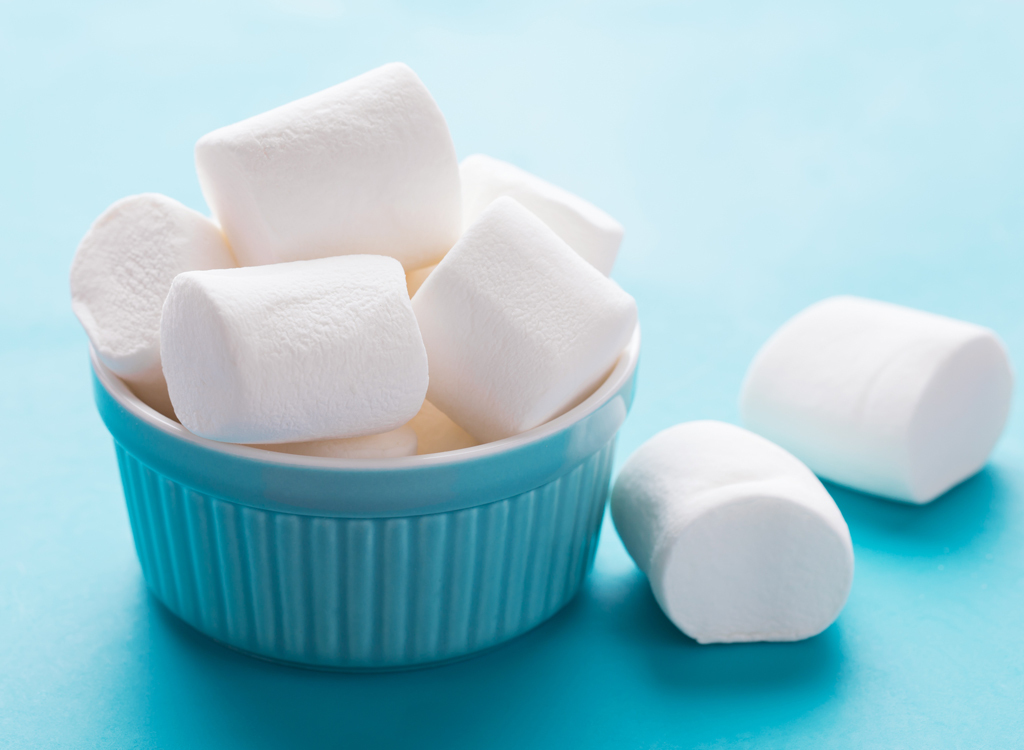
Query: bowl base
{"x": 346, "y": 669}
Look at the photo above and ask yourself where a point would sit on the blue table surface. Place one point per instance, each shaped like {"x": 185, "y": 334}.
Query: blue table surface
{"x": 761, "y": 158}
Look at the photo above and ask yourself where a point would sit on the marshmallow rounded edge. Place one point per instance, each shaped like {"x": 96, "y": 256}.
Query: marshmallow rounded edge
{"x": 885, "y": 399}
{"x": 120, "y": 276}
{"x": 739, "y": 540}
{"x": 518, "y": 328}
{"x": 294, "y": 352}
{"x": 588, "y": 230}
{"x": 364, "y": 167}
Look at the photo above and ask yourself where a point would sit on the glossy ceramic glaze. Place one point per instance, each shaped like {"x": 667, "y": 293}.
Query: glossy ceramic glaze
{"x": 367, "y": 564}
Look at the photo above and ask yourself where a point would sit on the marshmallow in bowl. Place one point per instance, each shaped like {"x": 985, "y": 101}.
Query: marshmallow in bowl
{"x": 437, "y": 433}
{"x": 293, "y": 352}
{"x": 366, "y": 166}
{"x": 518, "y": 327}
{"x": 739, "y": 540}
{"x": 120, "y": 276}
{"x": 392, "y": 444}
{"x": 414, "y": 279}
{"x": 882, "y": 398}
{"x": 588, "y": 230}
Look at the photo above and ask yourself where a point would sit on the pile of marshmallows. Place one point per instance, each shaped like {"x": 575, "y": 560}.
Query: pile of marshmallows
{"x": 738, "y": 537}
{"x": 286, "y": 322}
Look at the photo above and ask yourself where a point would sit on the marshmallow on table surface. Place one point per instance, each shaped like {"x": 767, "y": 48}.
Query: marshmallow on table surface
{"x": 366, "y": 166}
{"x": 392, "y": 444}
{"x": 588, "y": 230}
{"x": 436, "y": 433}
{"x": 518, "y": 328}
{"x": 885, "y": 399}
{"x": 740, "y": 541}
{"x": 293, "y": 352}
{"x": 120, "y": 276}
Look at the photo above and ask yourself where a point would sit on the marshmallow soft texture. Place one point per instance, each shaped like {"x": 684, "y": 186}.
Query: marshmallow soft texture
{"x": 366, "y": 166}
{"x": 518, "y": 328}
{"x": 588, "y": 230}
{"x": 740, "y": 541}
{"x": 120, "y": 276}
{"x": 293, "y": 352}
{"x": 882, "y": 398}
{"x": 392, "y": 444}
{"x": 436, "y": 433}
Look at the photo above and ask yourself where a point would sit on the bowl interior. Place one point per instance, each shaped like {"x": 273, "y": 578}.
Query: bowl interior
{"x": 369, "y": 488}
{"x": 621, "y": 373}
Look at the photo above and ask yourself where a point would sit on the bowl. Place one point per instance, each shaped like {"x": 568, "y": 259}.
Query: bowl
{"x": 358, "y": 564}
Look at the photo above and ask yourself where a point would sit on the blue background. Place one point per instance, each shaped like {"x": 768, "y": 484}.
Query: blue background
{"x": 760, "y": 158}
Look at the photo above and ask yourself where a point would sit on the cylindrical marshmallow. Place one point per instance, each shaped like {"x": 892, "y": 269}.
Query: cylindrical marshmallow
{"x": 739, "y": 540}
{"x": 120, "y": 276}
{"x": 366, "y": 166}
{"x": 392, "y": 444}
{"x": 588, "y": 230}
{"x": 885, "y": 399}
{"x": 436, "y": 433}
{"x": 293, "y": 352}
{"x": 517, "y": 326}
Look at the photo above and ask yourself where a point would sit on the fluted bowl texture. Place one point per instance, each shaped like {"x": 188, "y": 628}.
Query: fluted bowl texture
{"x": 367, "y": 564}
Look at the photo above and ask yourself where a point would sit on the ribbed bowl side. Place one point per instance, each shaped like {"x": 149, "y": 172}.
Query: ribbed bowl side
{"x": 353, "y": 593}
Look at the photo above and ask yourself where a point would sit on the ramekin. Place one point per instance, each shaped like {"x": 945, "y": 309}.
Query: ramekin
{"x": 366, "y": 564}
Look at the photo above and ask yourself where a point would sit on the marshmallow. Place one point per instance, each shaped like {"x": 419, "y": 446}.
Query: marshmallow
{"x": 414, "y": 279}
{"x": 120, "y": 276}
{"x": 740, "y": 541}
{"x": 885, "y": 399}
{"x": 293, "y": 352}
{"x": 585, "y": 228}
{"x": 392, "y": 444}
{"x": 366, "y": 166}
{"x": 518, "y": 328}
{"x": 436, "y": 433}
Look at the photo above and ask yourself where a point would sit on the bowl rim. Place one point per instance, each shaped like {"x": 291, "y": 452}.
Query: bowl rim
{"x": 620, "y": 374}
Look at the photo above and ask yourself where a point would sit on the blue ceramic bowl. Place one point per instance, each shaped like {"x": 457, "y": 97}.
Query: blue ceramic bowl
{"x": 366, "y": 564}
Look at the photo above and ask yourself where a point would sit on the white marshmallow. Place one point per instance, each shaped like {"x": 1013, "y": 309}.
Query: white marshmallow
{"x": 585, "y": 228}
{"x": 120, "y": 276}
{"x": 518, "y": 328}
{"x": 886, "y": 399}
{"x": 392, "y": 444}
{"x": 436, "y": 433}
{"x": 293, "y": 352}
{"x": 366, "y": 166}
{"x": 414, "y": 279}
{"x": 740, "y": 541}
